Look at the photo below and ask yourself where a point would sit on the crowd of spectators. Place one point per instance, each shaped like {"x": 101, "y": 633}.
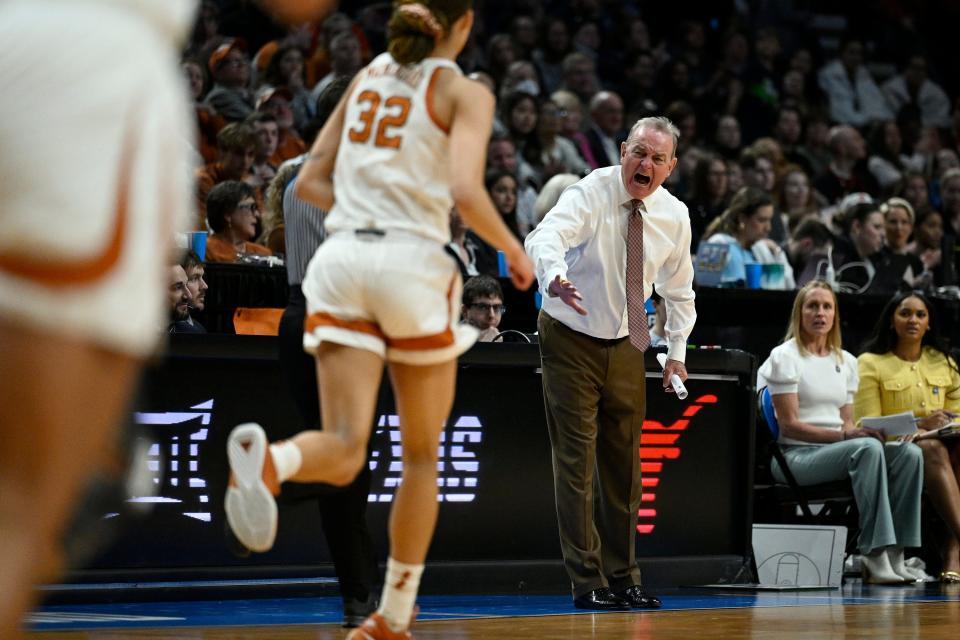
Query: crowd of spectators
{"x": 853, "y": 152}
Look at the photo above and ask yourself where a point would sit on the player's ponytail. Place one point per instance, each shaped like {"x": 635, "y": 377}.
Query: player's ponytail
{"x": 415, "y": 27}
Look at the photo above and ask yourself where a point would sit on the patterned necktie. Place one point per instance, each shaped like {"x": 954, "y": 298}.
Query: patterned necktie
{"x": 636, "y": 311}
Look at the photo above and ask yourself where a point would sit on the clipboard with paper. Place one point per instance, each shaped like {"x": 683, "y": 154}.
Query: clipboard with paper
{"x": 893, "y": 426}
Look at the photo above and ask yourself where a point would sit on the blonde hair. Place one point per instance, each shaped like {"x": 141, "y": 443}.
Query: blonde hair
{"x": 894, "y": 203}
{"x": 795, "y": 330}
{"x": 272, "y": 218}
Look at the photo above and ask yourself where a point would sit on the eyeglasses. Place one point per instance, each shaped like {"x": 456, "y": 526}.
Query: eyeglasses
{"x": 249, "y": 207}
{"x": 484, "y": 307}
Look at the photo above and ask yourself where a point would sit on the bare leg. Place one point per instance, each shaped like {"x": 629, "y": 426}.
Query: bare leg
{"x": 424, "y": 399}
{"x": 941, "y": 485}
{"x": 60, "y": 400}
{"x": 349, "y": 379}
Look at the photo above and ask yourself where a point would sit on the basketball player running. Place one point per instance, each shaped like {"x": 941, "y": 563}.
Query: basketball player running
{"x": 405, "y": 144}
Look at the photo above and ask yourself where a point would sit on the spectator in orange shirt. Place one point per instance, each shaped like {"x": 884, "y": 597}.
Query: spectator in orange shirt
{"x": 276, "y": 101}
{"x": 233, "y": 214}
{"x": 237, "y": 145}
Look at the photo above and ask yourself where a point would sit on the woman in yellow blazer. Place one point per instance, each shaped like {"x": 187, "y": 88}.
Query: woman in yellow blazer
{"x": 905, "y": 366}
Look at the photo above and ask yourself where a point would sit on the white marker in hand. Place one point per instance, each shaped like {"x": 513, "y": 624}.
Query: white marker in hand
{"x": 675, "y": 381}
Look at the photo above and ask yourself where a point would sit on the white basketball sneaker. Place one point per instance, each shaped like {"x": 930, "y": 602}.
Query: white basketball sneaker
{"x": 250, "y": 504}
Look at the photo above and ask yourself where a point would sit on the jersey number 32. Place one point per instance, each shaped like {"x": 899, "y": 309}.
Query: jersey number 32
{"x": 392, "y": 116}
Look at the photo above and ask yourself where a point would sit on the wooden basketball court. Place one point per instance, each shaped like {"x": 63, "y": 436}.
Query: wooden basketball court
{"x": 856, "y": 611}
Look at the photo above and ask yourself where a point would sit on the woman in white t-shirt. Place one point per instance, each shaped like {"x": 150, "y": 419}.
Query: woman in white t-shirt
{"x": 812, "y": 381}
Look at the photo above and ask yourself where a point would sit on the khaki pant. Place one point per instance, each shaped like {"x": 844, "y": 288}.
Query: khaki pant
{"x": 595, "y": 398}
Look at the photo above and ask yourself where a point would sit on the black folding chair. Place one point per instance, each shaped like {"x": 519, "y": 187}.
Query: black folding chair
{"x": 836, "y": 500}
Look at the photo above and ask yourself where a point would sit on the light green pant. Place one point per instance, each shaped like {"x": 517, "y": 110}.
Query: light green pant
{"x": 889, "y": 509}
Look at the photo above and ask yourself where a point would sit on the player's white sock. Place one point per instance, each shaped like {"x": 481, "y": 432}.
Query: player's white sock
{"x": 286, "y": 459}
{"x": 399, "y": 593}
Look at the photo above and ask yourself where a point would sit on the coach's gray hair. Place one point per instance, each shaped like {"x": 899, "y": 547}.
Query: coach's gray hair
{"x": 661, "y": 124}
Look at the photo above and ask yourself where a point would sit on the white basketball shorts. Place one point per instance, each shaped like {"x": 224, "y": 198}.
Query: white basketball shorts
{"x": 397, "y": 295}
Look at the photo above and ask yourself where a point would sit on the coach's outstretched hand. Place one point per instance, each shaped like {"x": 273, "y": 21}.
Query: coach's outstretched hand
{"x": 564, "y": 289}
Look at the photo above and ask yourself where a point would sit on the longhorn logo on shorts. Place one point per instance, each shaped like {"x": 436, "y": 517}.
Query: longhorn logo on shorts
{"x": 658, "y": 443}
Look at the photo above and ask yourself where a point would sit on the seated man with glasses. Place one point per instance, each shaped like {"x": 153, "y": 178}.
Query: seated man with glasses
{"x": 483, "y": 306}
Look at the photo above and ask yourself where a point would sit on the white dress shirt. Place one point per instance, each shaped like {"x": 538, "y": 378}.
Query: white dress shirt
{"x": 584, "y": 239}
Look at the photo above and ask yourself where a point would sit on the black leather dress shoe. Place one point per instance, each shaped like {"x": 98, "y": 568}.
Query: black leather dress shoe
{"x": 601, "y": 599}
{"x": 637, "y": 597}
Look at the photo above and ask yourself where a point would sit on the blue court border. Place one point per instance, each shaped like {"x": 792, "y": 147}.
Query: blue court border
{"x": 326, "y": 610}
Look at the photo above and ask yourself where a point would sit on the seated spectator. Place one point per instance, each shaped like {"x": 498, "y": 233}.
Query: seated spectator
{"x": 229, "y": 65}
{"x": 862, "y": 267}
{"x": 794, "y": 196}
{"x": 476, "y": 257}
{"x": 759, "y": 165}
{"x": 933, "y": 247}
{"x": 483, "y": 306}
{"x": 684, "y": 116}
{"x": 277, "y": 103}
{"x": 237, "y": 144}
{"x": 209, "y": 122}
{"x": 502, "y": 156}
{"x": 854, "y": 97}
{"x": 745, "y": 227}
{"x": 726, "y": 139}
{"x": 345, "y": 62}
{"x": 950, "y": 200}
{"x": 548, "y": 152}
{"x": 286, "y": 69}
{"x": 605, "y": 132}
{"x": 580, "y": 76}
{"x": 888, "y": 160}
{"x": 846, "y": 173}
{"x": 707, "y": 197}
{"x": 232, "y": 214}
{"x": 787, "y": 131}
{"x": 570, "y": 112}
{"x": 555, "y": 45}
{"x": 197, "y": 287}
{"x": 178, "y": 298}
{"x": 912, "y": 86}
{"x": 913, "y": 189}
{"x": 809, "y": 248}
{"x": 502, "y": 187}
{"x": 814, "y": 153}
{"x": 521, "y": 76}
{"x": 734, "y": 177}
{"x": 268, "y": 133}
{"x": 518, "y": 119}
{"x": 906, "y": 366}
{"x": 898, "y": 219}
{"x": 501, "y": 53}
{"x": 812, "y": 381}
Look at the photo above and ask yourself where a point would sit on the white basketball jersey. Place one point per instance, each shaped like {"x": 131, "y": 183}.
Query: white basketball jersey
{"x": 393, "y": 166}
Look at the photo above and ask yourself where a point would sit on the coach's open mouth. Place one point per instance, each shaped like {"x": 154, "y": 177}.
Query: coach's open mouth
{"x": 641, "y": 179}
